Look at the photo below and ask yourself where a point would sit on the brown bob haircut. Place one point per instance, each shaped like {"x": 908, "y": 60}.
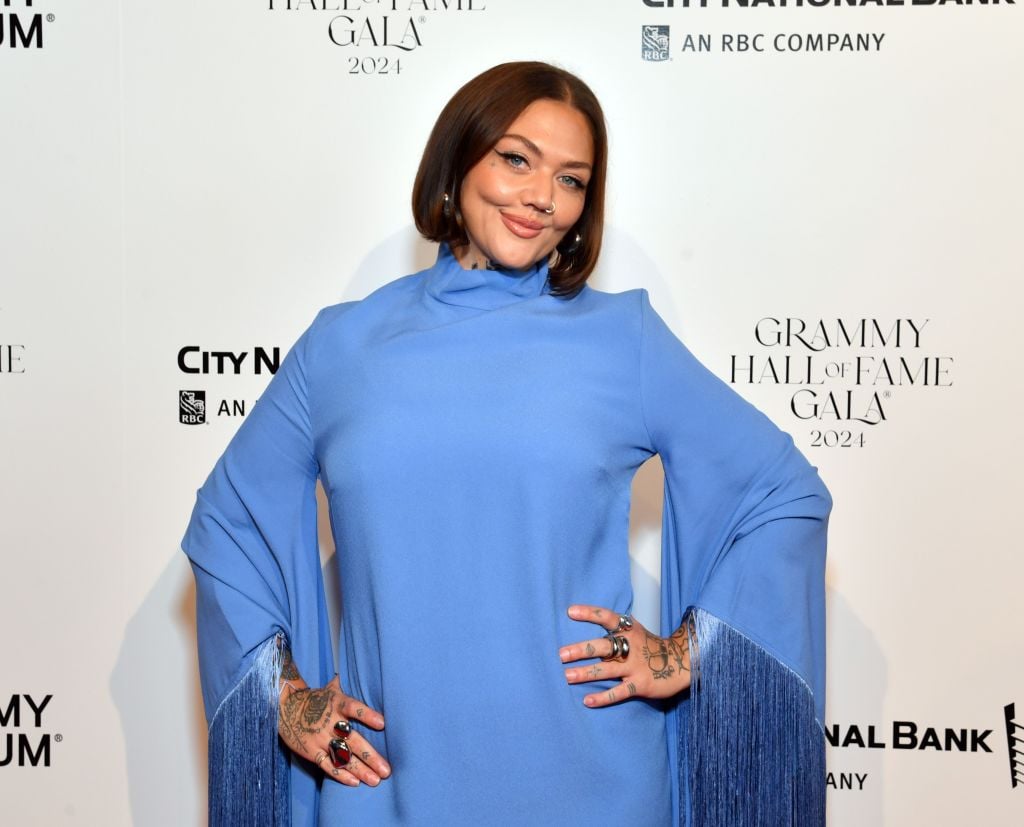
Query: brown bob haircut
{"x": 472, "y": 122}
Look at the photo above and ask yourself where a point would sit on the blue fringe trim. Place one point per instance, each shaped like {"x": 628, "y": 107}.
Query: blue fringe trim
{"x": 754, "y": 752}
{"x": 248, "y": 765}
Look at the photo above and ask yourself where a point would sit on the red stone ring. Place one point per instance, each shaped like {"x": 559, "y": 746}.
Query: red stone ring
{"x": 342, "y": 728}
{"x": 341, "y": 754}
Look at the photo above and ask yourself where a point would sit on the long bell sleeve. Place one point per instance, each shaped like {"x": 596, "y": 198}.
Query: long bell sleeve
{"x": 252, "y": 544}
{"x": 743, "y": 554}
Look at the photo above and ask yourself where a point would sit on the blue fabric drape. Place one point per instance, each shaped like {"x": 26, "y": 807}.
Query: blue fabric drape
{"x": 744, "y": 535}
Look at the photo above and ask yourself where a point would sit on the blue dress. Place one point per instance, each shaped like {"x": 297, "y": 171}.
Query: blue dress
{"x": 477, "y": 437}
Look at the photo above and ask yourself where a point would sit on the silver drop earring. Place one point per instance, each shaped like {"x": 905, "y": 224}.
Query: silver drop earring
{"x": 573, "y": 247}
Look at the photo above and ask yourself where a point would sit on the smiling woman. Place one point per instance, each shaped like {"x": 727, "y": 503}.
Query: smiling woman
{"x": 477, "y": 426}
{"x": 508, "y": 200}
{"x": 514, "y": 173}
{"x": 520, "y": 199}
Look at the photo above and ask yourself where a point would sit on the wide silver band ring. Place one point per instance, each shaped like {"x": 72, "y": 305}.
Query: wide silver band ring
{"x": 620, "y": 647}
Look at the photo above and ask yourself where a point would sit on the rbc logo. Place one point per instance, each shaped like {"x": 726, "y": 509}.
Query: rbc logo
{"x": 192, "y": 407}
{"x": 654, "y": 43}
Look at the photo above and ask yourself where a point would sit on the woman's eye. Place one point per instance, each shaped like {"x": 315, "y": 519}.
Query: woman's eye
{"x": 514, "y": 159}
{"x": 573, "y": 182}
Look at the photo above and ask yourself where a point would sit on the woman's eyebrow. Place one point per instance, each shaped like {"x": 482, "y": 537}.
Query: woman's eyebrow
{"x": 536, "y": 150}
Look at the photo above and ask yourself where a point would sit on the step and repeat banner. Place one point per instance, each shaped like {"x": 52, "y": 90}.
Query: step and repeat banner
{"x": 823, "y": 197}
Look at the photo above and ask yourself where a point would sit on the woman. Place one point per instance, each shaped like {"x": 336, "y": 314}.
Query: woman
{"x": 476, "y": 427}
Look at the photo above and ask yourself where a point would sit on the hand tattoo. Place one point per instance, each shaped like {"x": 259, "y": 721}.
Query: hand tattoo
{"x": 289, "y": 672}
{"x": 679, "y": 644}
{"x": 658, "y": 651}
{"x": 305, "y": 712}
{"x": 655, "y": 652}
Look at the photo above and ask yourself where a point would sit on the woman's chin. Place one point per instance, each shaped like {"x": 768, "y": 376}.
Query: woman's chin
{"x": 518, "y": 258}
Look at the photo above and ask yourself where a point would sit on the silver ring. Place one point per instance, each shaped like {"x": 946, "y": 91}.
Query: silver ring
{"x": 620, "y": 647}
{"x": 625, "y": 624}
{"x": 551, "y": 210}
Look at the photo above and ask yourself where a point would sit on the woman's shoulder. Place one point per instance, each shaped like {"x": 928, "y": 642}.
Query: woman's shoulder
{"x": 372, "y": 303}
{"x": 623, "y": 309}
{"x": 623, "y": 301}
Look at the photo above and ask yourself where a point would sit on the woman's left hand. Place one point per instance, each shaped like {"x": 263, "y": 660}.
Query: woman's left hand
{"x": 655, "y": 667}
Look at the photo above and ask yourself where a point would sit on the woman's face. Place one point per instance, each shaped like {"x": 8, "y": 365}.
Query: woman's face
{"x": 544, "y": 158}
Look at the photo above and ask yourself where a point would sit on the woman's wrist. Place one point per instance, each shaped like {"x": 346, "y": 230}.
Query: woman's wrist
{"x": 678, "y": 645}
{"x": 291, "y": 681}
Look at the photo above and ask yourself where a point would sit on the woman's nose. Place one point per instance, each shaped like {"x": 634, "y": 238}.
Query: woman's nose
{"x": 539, "y": 195}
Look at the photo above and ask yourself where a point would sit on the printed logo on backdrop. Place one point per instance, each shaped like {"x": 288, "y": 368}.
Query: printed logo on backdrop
{"x": 792, "y": 42}
{"x": 21, "y": 25}
{"x": 193, "y": 360}
{"x": 376, "y": 36}
{"x": 1014, "y": 745}
{"x": 916, "y": 737}
{"x": 21, "y": 742}
{"x": 12, "y": 357}
{"x": 846, "y": 375}
{"x": 192, "y": 407}
{"x": 654, "y": 43}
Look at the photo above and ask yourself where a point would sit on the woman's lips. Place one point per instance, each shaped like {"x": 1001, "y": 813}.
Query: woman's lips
{"x": 522, "y": 227}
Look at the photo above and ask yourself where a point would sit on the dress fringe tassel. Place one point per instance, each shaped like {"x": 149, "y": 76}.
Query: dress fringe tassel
{"x": 754, "y": 752}
{"x": 248, "y": 765}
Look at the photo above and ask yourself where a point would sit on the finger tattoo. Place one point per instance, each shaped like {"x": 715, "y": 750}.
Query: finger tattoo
{"x": 590, "y": 649}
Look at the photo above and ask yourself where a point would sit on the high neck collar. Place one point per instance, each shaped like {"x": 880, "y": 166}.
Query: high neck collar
{"x": 449, "y": 282}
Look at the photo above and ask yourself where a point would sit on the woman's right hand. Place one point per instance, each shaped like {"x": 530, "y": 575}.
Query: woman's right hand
{"x": 306, "y": 725}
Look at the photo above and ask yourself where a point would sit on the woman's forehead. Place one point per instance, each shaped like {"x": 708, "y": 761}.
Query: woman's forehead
{"x": 555, "y": 129}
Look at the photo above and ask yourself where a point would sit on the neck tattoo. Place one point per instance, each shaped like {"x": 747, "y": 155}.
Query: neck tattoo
{"x": 488, "y": 264}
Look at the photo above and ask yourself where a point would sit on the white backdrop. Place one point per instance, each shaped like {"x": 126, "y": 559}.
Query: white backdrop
{"x": 209, "y": 175}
